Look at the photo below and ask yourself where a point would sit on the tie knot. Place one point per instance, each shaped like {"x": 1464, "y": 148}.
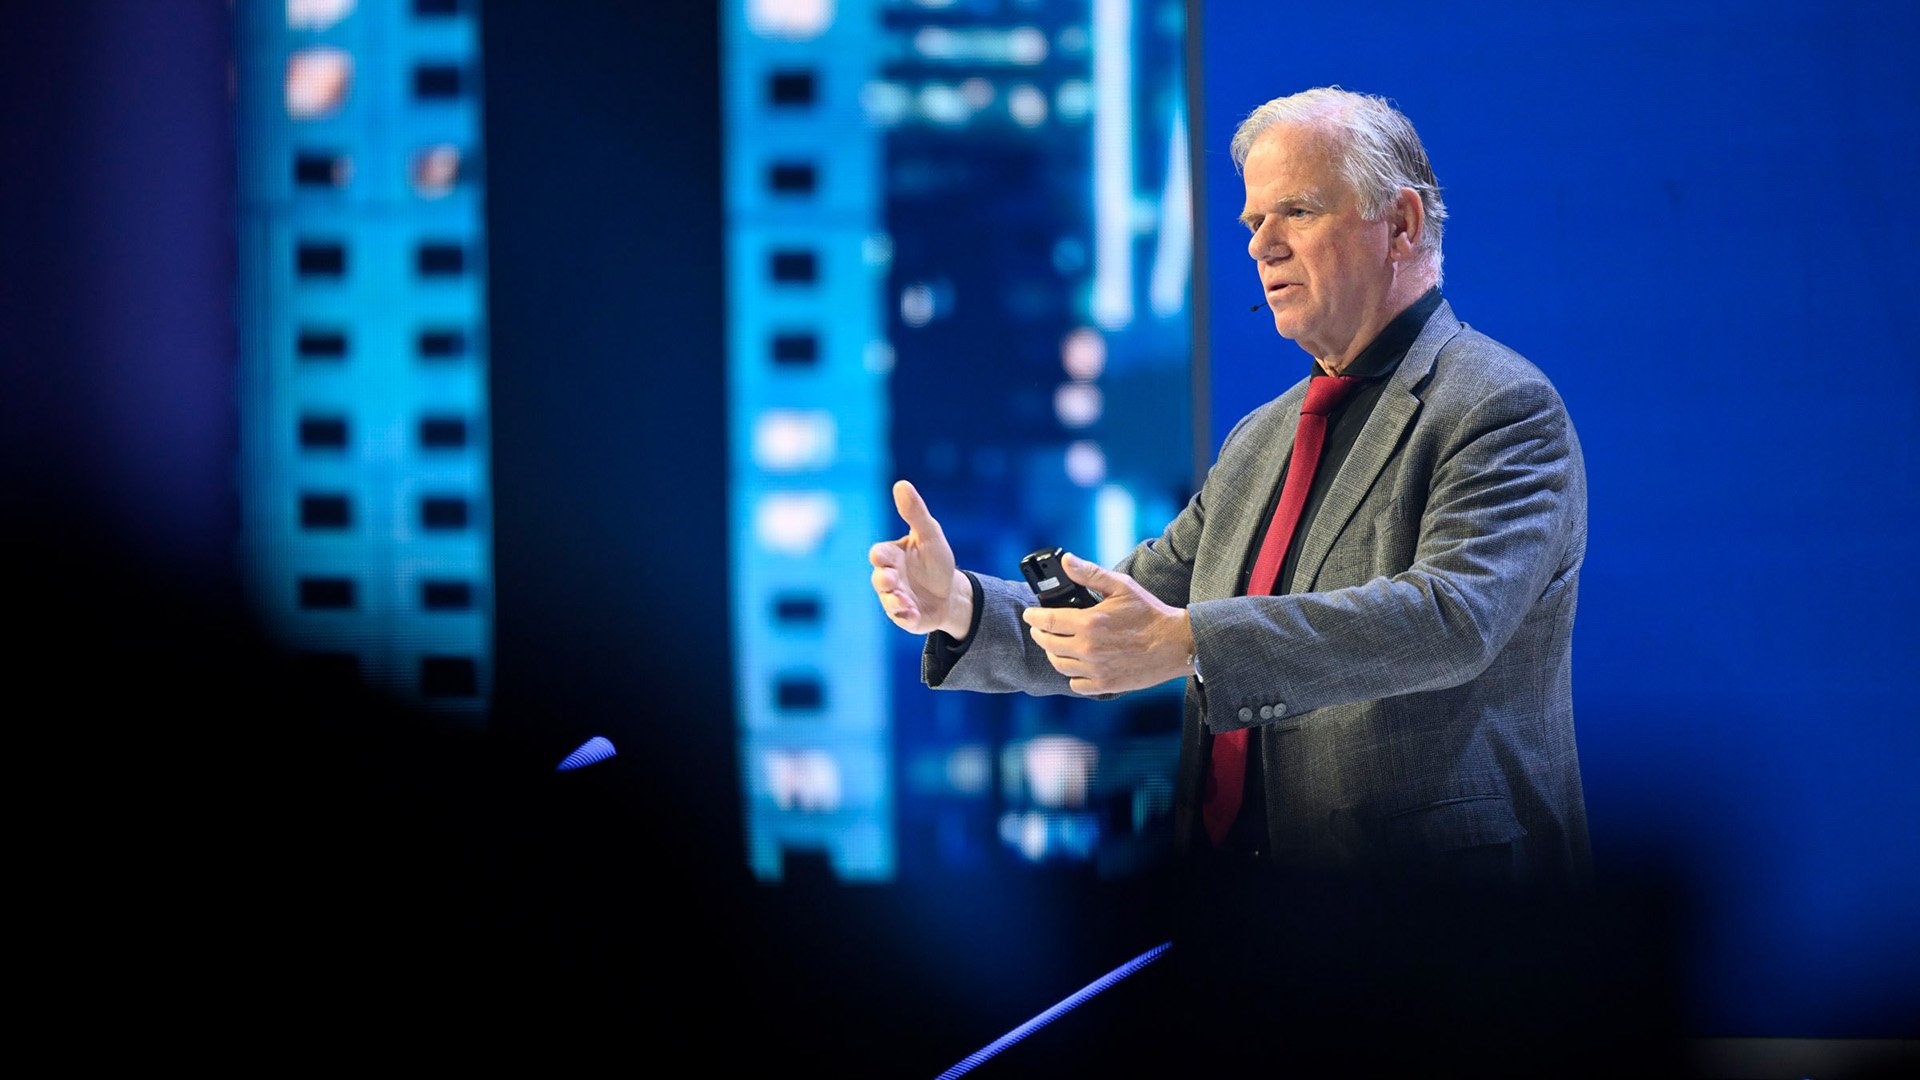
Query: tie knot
{"x": 1326, "y": 392}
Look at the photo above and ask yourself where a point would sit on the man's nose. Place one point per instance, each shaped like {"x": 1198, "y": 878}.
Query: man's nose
{"x": 1265, "y": 243}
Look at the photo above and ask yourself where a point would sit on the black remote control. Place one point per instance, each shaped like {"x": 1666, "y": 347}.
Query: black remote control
{"x": 1051, "y": 583}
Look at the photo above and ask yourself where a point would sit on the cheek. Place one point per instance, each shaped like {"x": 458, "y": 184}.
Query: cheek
{"x": 1315, "y": 254}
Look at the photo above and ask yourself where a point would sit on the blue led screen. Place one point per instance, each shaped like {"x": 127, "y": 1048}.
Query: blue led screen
{"x": 361, "y": 307}
{"x": 959, "y": 252}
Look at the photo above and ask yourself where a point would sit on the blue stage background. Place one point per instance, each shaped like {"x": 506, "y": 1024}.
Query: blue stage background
{"x": 1686, "y": 214}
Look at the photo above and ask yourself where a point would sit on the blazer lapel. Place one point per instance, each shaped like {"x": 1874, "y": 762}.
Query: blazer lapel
{"x": 1392, "y": 414}
{"x": 1241, "y": 520}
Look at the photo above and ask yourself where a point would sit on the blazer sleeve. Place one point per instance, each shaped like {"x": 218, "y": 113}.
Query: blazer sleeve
{"x": 999, "y": 657}
{"x": 1497, "y": 524}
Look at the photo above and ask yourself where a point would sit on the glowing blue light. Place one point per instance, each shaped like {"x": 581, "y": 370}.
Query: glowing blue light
{"x": 1113, "y": 194}
{"x": 1173, "y": 255}
{"x": 591, "y": 752}
{"x": 1055, "y": 1012}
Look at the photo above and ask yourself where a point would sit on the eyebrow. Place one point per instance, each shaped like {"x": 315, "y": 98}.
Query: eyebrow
{"x": 1310, "y": 198}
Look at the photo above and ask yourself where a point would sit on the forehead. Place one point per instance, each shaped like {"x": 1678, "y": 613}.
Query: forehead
{"x": 1293, "y": 159}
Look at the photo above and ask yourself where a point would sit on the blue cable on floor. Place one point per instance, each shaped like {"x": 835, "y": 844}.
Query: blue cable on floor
{"x": 1054, "y": 1013}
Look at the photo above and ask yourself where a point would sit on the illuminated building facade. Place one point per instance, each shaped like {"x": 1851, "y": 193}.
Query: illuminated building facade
{"x": 960, "y": 251}
{"x": 362, "y": 394}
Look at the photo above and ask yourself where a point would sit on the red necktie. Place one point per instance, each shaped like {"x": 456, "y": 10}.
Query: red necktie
{"x": 1227, "y": 777}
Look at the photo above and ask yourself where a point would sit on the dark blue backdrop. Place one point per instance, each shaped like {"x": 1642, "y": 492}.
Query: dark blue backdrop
{"x": 1687, "y": 214}
{"x": 1691, "y": 217}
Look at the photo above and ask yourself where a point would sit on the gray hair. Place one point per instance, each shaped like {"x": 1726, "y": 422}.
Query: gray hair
{"x": 1378, "y": 152}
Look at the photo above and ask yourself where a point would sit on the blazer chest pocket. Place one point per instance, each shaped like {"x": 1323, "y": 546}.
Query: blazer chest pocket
{"x": 1376, "y": 542}
{"x": 1396, "y": 533}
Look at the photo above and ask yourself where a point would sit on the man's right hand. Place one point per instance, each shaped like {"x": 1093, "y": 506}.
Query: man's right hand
{"x": 914, "y": 576}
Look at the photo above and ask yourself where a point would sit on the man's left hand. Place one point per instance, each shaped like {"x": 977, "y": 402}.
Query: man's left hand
{"x": 1128, "y": 641}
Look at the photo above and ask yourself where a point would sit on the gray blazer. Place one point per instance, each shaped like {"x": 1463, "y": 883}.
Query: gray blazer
{"x": 1416, "y": 687}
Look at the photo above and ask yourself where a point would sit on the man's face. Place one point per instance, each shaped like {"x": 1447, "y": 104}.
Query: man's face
{"x": 1326, "y": 270}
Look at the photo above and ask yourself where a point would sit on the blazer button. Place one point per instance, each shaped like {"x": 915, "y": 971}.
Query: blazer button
{"x": 1266, "y": 712}
{"x": 1279, "y": 708}
{"x": 1246, "y": 713}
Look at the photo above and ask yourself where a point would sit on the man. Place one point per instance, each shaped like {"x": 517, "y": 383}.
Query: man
{"x": 1393, "y": 635}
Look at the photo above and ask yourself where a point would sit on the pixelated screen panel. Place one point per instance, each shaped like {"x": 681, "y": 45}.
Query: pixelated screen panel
{"x": 363, "y": 394}
{"x": 959, "y": 253}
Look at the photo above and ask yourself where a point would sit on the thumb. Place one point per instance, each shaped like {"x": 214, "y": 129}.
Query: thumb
{"x": 913, "y": 509}
{"x": 1092, "y": 575}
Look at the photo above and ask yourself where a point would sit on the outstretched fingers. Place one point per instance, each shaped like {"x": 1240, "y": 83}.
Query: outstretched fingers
{"x": 886, "y": 553}
{"x": 913, "y": 509}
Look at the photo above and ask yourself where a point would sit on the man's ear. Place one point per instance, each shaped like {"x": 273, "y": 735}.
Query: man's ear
{"x": 1406, "y": 223}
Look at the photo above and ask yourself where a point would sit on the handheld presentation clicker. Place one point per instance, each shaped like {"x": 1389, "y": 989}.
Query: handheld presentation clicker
{"x": 1051, "y": 583}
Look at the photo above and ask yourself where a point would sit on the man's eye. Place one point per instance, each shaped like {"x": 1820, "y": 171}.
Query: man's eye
{"x": 1298, "y": 212}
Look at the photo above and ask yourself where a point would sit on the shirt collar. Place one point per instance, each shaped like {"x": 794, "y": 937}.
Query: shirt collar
{"x": 1388, "y": 347}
